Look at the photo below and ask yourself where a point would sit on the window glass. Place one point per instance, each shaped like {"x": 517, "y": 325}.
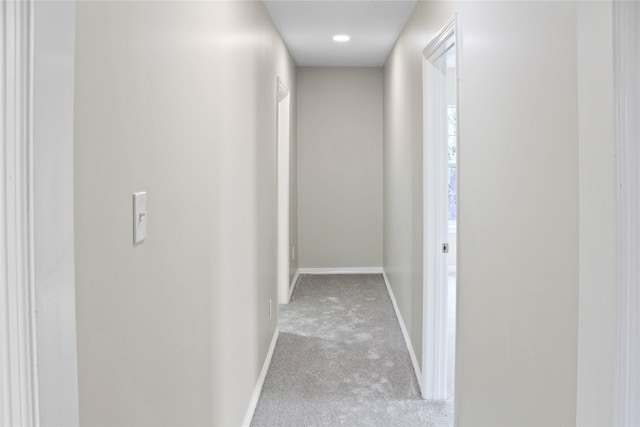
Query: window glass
{"x": 452, "y": 127}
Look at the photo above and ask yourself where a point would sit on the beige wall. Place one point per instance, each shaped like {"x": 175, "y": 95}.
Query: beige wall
{"x": 340, "y": 167}
{"x": 518, "y": 243}
{"x": 597, "y": 320}
{"x": 177, "y": 99}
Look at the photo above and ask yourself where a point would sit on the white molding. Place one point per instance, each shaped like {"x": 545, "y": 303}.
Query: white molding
{"x": 342, "y": 270}
{"x": 18, "y": 346}
{"x": 255, "y": 396}
{"x": 283, "y": 106}
{"x": 626, "y": 23}
{"x": 53, "y": 208}
{"x": 294, "y": 282}
{"x": 283, "y": 90}
{"x": 435, "y": 269}
{"x": 442, "y": 41}
{"x": 405, "y": 333}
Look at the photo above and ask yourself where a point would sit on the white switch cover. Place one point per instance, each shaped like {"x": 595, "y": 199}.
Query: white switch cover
{"x": 139, "y": 216}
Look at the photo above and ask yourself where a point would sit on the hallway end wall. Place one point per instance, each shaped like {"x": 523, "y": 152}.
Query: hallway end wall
{"x": 340, "y": 166}
{"x": 517, "y": 269}
{"x": 177, "y": 99}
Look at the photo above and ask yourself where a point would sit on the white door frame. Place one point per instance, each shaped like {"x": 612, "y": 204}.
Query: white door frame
{"x": 18, "y": 353}
{"x": 434, "y": 329}
{"x": 626, "y": 31}
{"x": 283, "y": 120}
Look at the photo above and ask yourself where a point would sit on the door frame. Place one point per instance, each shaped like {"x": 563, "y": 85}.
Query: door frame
{"x": 435, "y": 224}
{"x": 18, "y": 357}
{"x": 38, "y": 355}
{"x": 627, "y": 107}
{"x": 283, "y": 120}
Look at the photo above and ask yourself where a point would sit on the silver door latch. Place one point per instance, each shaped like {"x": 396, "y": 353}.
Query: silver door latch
{"x": 445, "y": 248}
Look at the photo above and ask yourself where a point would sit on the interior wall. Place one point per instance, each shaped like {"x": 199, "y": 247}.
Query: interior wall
{"x": 53, "y": 86}
{"x": 340, "y": 167}
{"x": 597, "y": 320}
{"x": 402, "y": 171}
{"x": 518, "y": 197}
{"x": 177, "y": 99}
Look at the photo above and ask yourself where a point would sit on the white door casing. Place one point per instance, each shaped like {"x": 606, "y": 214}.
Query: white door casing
{"x": 283, "y": 116}
{"x": 38, "y": 369}
{"x": 626, "y": 33}
{"x": 53, "y": 211}
{"x": 434, "y": 348}
{"x": 18, "y": 364}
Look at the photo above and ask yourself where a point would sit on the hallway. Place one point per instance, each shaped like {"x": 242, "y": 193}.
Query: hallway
{"x": 170, "y": 169}
{"x": 341, "y": 359}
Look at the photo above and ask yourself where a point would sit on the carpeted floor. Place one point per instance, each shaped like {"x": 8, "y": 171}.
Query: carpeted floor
{"x": 341, "y": 359}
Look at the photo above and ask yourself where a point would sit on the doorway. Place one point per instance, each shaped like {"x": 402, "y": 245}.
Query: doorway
{"x": 283, "y": 116}
{"x": 440, "y": 201}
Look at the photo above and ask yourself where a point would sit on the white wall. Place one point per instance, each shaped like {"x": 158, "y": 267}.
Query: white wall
{"x": 597, "y": 174}
{"x": 54, "y": 41}
{"x": 518, "y": 199}
{"x": 340, "y": 167}
{"x": 177, "y": 99}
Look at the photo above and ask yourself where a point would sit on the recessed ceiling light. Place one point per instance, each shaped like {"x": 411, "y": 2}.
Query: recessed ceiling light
{"x": 341, "y": 38}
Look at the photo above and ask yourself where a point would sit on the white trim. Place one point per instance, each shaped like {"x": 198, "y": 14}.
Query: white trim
{"x": 294, "y": 282}
{"x": 405, "y": 333}
{"x": 342, "y": 270}
{"x": 283, "y": 91}
{"x": 18, "y": 346}
{"x": 442, "y": 41}
{"x": 53, "y": 208}
{"x": 436, "y": 224}
{"x": 626, "y": 21}
{"x": 255, "y": 396}
{"x": 283, "y": 115}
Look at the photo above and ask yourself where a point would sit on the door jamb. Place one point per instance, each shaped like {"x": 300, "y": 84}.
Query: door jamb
{"x": 627, "y": 108}
{"x": 434, "y": 328}
{"x": 283, "y": 164}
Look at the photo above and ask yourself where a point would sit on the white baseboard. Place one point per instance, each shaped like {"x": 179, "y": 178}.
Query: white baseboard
{"x": 342, "y": 270}
{"x": 258, "y": 389}
{"x": 294, "y": 282}
{"x": 405, "y": 334}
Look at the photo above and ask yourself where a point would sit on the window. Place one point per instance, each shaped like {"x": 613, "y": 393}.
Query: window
{"x": 452, "y": 126}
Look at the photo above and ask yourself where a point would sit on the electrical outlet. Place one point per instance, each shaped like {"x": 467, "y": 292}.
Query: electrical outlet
{"x": 293, "y": 254}
{"x": 270, "y": 309}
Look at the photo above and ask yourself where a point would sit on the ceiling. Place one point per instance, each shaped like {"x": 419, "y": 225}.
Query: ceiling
{"x": 308, "y": 27}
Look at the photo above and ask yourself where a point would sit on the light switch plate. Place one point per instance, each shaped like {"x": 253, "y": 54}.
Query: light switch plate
{"x": 139, "y": 216}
